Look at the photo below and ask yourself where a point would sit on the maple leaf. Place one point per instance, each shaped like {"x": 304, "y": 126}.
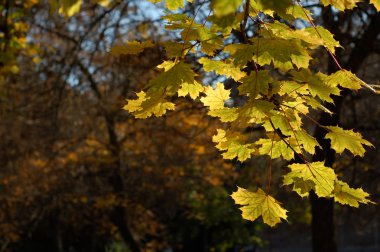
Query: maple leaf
{"x": 225, "y": 114}
{"x": 222, "y": 68}
{"x": 192, "y": 89}
{"x": 341, "y": 5}
{"x": 255, "y": 83}
{"x": 233, "y": 144}
{"x": 275, "y": 147}
{"x": 133, "y": 47}
{"x": 308, "y": 142}
{"x": 345, "y": 79}
{"x": 225, "y": 7}
{"x": 172, "y": 78}
{"x": 146, "y": 106}
{"x": 282, "y": 52}
{"x": 256, "y": 204}
{"x": 215, "y": 98}
{"x": 317, "y": 84}
{"x": 349, "y": 196}
{"x": 171, "y": 4}
{"x": 240, "y": 151}
{"x": 346, "y": 139}
{"x": 240, "y": 53}
{"x": 316, "y": 176}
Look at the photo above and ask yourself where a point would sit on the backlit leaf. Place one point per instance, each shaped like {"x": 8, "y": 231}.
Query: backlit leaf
{"x": 256, "y": 204}
{"x": 344, "y": 194}
{"x": 308, "y": 176}
{"x": 346, "y": 139}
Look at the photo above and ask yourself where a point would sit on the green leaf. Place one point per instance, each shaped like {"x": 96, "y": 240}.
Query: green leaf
{"x": 133, "y": 47}
{"x": 316, "y": 176}
{"x": 240, "y": 53}
{"x": 349, "y": 196}
{"x": 172, "y": 78}
{"x": 215, "y": 98}
{"x": 225, "y": 7}
{"x": 282, "y": 52}
{"x": 346, "y": 139}
{"x": 317, "y": 84}
{"x": 192, "y": 89}
{"x": 255, "y": 83}
{"x": 222, "y": 68}
{"x": 256, "y": 204}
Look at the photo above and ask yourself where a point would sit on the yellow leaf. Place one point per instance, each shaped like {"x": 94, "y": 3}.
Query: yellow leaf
{"x": 346, "y": 139}
{"x": 349, "y": 196}
{"x": 256, "y": 204}
{"x": 215, "y": 98}
{"x": 311, "y": 176}
{"x": 192, "y": 89}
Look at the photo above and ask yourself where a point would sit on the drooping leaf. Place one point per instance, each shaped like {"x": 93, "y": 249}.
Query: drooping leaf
{"x": 256, "y": 204}
{"x": 344, "y": 194}
{"x": 315, "y": 176}
{"x": 308, "y": 142}
{"x": 345, "y": 79}
{"x": 346, "y": 139}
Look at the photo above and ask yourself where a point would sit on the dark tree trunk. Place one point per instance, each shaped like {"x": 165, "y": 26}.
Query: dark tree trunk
{"x": 323, "y": 228}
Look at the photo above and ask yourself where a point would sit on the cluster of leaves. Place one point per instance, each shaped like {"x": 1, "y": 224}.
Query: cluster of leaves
{"x": 277, "y": 83}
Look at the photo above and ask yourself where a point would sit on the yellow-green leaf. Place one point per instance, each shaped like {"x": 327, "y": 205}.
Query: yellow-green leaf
{"x": 222, "y": 68}
{"x": 311, "y": 176}
{"x": 345, "y": 79}
{"x": 192, "y": 89}
{"x": 225, "y": 114}
{"x": 346, "y": 139}
{"x": 346, "y": 195}
{"x": 341, "y": 4}
{"x": 225, "y": 7}
{"x": 376, "y": 3}
{"x": 215, "y": 98}
{"x": 146, "y": 106}
{"x": 256, "y": 204}
{"x": 133, "y": 47}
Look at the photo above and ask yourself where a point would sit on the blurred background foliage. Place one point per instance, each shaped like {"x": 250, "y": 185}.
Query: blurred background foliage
{"x": 77, "y": 173}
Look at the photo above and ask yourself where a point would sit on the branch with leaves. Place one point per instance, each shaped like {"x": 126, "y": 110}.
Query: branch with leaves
{"x": 281, "y": 91}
